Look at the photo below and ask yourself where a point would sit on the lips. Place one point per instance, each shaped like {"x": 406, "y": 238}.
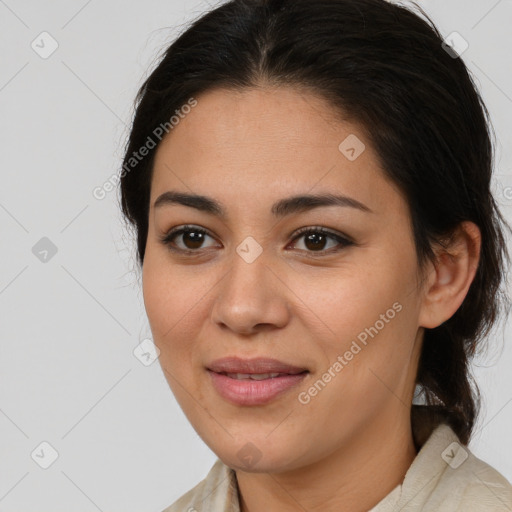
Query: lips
{"x": 250, "y": 382}
{"x": 260, "y": 365}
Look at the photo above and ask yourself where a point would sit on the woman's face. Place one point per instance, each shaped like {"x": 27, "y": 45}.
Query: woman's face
{"x": 342, "y": 307}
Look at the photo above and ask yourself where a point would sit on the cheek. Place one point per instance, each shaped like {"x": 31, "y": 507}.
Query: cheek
{"x": 374, "y": 359}
{"x": 371, "y": 317}
{"x": 173, "y": 300}
{"x": 346, "y": 303}
{"x": 173, "y": 306}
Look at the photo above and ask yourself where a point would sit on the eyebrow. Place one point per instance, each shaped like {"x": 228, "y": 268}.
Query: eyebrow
{"x": 282, "y": 208}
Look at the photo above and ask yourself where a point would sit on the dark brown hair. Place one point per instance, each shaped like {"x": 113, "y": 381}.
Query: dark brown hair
{"x": 385, "y": 67}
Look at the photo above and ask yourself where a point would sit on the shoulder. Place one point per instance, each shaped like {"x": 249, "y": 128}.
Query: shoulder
{"x": 217, "y": 492}
{"x": 447, "y": 477}
{"x": 475, "y": 485}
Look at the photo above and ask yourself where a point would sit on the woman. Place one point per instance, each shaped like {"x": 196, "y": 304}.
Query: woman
{"x": 309, "y": 182}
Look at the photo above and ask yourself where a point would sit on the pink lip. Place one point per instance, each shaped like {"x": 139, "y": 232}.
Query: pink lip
{"x": 235, "y": 364}
{"x": 253, "y": 392}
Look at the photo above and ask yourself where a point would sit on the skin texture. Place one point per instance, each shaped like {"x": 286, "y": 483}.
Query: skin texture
{"x": 351, "y": 444}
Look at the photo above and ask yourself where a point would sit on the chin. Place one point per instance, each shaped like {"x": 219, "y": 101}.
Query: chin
{"x": 258, "y": 456}
{"x": 263, "y": 465}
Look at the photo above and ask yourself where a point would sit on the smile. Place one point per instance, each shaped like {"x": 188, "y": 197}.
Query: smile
{"x": 255, "y": 388}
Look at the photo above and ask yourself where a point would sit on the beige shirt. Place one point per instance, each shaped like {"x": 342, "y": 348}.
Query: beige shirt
{"x": 444, "y": 477}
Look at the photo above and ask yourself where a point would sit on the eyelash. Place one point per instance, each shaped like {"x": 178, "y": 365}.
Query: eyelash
{"x": 343, "y": 241}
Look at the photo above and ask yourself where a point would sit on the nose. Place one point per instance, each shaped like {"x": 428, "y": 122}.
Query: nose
{"x": 251, "y": 297}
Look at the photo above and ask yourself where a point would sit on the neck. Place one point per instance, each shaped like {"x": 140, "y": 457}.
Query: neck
{"x": 354, "y": 478}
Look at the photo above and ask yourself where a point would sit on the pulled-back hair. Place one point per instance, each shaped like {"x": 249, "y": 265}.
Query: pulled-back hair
{"x": 386, "y": 68}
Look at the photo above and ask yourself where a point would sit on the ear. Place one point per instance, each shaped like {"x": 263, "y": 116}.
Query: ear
{"x": 450, "y": 277}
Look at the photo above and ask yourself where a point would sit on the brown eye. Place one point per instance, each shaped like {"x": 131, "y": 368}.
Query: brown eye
{"x": 317, "y": 240}
{"x": 192, "y": 239}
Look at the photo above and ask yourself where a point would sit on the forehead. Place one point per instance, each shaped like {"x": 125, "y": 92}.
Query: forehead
{"x": 275, "y": 117}
{"x": 274, "y": 141}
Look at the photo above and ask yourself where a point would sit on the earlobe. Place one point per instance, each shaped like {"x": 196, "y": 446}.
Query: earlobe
{"x": 452, "y": 275}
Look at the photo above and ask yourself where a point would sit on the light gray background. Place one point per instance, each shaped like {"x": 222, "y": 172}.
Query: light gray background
{"x": 68, "y": 328}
